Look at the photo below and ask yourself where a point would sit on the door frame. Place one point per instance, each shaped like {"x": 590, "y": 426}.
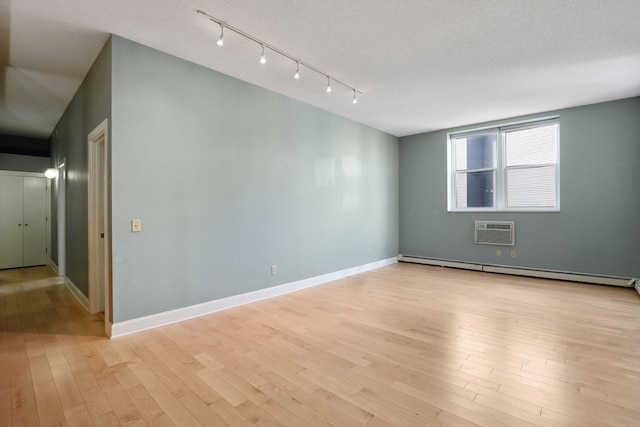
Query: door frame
{"x": 62, "y": 217}
{"x": 99, "y": 184}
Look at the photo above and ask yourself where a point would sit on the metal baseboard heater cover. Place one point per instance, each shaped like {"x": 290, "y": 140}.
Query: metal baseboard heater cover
{"x": 528, "y": 272}
{"x": 495, "y": 233}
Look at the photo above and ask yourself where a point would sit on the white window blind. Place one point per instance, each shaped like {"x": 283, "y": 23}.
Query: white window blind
{"x": 513, "y": 167}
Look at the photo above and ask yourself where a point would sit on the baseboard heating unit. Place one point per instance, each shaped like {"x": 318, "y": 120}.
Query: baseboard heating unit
{"x": 518, "y": 271}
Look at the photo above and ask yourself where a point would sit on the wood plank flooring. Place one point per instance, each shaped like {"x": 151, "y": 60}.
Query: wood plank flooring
{"x": 405, "y": 345}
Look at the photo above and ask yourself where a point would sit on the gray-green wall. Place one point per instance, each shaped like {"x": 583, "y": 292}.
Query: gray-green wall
{"x": 89, "y": 107}
{"x": 229, "y": 179}
{"x": 18, "y": 162}
{"x": 595, "y": 232}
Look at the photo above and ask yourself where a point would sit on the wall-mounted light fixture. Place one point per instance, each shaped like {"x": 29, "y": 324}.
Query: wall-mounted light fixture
{"x": 263, "y": 58}
{"x": 51, "y": 173}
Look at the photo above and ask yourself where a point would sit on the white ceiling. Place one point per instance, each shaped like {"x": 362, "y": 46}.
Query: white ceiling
{"x": 422, "y": 65}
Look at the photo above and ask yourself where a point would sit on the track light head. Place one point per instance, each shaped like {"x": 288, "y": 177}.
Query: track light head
{"x": 220, "y": 41}
{"x": 263, "y": 59}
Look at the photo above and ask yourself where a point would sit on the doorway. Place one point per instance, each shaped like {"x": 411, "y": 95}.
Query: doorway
{"x": 99, "y": 232}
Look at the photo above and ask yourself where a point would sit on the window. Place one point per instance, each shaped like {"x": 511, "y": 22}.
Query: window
{"x": 508, "y": 168}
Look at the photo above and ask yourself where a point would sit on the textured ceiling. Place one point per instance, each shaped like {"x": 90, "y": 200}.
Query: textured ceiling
{"x": 422, "y": 65}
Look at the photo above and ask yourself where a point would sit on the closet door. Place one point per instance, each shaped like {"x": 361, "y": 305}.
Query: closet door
{"x": 11, "y": 225}
{"x": 35, "y": 221}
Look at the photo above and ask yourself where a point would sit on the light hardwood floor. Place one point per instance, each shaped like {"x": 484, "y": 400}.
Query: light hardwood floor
{"x": 405, "y": 345}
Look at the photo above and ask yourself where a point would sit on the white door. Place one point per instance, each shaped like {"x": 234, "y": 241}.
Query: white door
{"x": 35, "y": 221}
{"x": 11, "y": 225}
{"x": 99, "y": 176}
{"x": 99, "y": 233}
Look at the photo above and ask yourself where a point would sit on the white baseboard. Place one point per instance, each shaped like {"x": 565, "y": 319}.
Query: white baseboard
{"x": 440, "y": 262}
{"x": 165, "y": 318}
{"x": 82, "y": 298}
{"x": 517, "y": 271}
{"x": 53, "y": 266}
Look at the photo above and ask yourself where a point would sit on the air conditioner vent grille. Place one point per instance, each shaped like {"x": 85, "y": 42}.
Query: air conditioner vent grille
{"x": 495, "y": 233}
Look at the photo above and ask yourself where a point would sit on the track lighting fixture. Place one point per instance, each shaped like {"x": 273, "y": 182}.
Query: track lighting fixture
{"x": 263, "y": 58}
{"x": 220, "y": 41}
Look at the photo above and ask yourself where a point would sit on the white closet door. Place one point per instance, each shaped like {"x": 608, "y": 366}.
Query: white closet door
{"x": 35, "y": 221}
{"x": 11, "y": 225}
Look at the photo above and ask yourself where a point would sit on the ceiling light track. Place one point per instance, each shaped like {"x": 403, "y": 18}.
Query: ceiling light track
{"x": 297, "y": 61}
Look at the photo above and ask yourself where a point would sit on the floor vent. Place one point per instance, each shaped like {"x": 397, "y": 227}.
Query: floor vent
{"x": 495, "y": 233}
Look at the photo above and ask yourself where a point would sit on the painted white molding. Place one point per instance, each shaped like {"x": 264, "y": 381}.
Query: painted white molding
{"x": 98, "y": 198}
{"x": 82, "y": 299}
{"x": 53, "y": 266}
{"x": 518, "y": 271}
{"x": 173, "y": 316}
{"x": 571, "y": 277}
{"x": 20, "y": 173}
{"x": 440, "y": 263}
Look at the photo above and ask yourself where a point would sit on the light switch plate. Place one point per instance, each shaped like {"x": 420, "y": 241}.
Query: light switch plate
{"x": 135, "y": 226}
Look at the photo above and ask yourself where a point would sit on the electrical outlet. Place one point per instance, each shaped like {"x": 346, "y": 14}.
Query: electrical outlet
{"x": 274, "y": 269}
{"x": 498, "y": 252}
{"x": 514, "y": 254}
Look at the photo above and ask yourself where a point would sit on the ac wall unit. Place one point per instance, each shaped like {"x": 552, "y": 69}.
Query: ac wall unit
{"x": 495, "y": 233}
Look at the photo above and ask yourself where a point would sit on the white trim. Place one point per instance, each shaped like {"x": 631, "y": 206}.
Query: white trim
{"x": 61, "y": 180}
{"x": 48, "y": 215}
{"x": 518, "y": 271}
{"x": 20, "y": 173}
{"x": 571, "y": 277}
{"x": 82, "y": 298}
{"x": 96, "y": 185}
{"x": 178, "y": 315}
{"x": 440, "y": 263}
{"x": 53, "y": 266}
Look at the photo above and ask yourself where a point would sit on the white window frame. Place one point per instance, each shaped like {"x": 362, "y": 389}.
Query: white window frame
{"x": 500, "y": 189}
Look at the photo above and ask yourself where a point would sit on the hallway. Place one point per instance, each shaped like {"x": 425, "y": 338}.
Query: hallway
{"x": 38, "y": 319}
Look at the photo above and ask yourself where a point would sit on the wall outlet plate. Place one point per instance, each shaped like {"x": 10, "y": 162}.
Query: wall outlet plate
{"x": 135, "y": 226}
